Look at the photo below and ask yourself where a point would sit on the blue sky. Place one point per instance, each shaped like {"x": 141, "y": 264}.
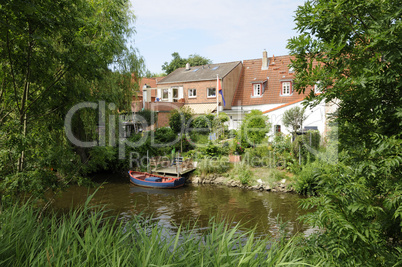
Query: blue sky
{"x": 221, "y": 30}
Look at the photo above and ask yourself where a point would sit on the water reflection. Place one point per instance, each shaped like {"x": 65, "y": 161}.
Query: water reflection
{"x": 194, "y": 204}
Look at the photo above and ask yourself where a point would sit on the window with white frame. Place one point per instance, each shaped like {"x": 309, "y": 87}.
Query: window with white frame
{"x": 165, "y": 94}
{"x": 192, "y": 92}
{"x": 257, "y": 89}
{"x": 286, "y": 88}
{"x": 211, "y": 92}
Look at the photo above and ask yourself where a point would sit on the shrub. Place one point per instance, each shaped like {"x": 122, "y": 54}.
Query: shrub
{"x": 258, "y": 157}
{"x": 180, "y": 118}
{"x": 303, "y": 143}
{"x": 164, "y": 135}
{"x": 203, "y": 122}
{"x": 213, "y": 150}
{"x": 232, "y": 133}
{"x": 254, "y": 128}
{"x": 213, "y": 165}
{"x": 150, "y": 116}
{"x": 243, "y": 173}
{"x": 199, "y": 138}
{"x": 309, "y": 178}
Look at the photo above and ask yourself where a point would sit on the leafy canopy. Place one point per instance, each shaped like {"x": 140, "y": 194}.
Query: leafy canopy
{"x": 293, "y": 118}
{"x": 180, "y": 119}
{"x": 254, "y": 128}
{"x": 56, "y": 54}
{"x": 178, "y": 62}
{"x": 353, "y": 49}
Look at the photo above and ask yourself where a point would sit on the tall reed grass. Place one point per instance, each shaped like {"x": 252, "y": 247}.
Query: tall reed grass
{"x": 87, "y": 237}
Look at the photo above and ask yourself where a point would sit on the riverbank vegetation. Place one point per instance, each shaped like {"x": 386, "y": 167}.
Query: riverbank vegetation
{"x": 88, "y": 237}
{"x": 357, "y": 47}
{"x": 351, "y": 50}
{"x": 58, "y": 57}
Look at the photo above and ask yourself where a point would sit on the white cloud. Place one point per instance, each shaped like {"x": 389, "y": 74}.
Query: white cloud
{"x": 221, "y": 30}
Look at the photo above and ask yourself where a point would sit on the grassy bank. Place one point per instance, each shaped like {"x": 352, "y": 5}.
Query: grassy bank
{"x": 86, "y": 237}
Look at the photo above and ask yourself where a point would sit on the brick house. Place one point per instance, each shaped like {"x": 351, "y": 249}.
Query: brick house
{"x": 138, "y": 99}
{"x": 194, "y": 87}
{"x": 266, "y": 84}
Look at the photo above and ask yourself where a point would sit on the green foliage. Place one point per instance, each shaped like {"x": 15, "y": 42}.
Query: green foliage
{"x": 294, "y": 118}
{"x": 215, "y": 165}
{"x": 259, "y": 156}
{"x": 178, "y": 62}
{"x": 357, "y": 47}
{"x": 213, "y": 150}
{"x": 50, "y": 64}
{"x": 243, "y": 173}
{"x": 150, "y": 116}
{"x": 150, "y": 74}
{"x": 232, "y": 133}
{"x": 180, "y": 119}
{"x": 203, "y": 123}
{"x": 88, "y": 237}
{"x": 164, "y": 135}
{"x": 282, "y": 155}
{"x": 199, "y": 138}
{"x": 309, "y": 178}
{"x": 175, "y": 63}
{"x": 235, "y": 147}
{"x": 254, "y": 128}
{"x": 197, "y": 60}
{"x": 307, "y": 145}
{"x": 210, "y": 123}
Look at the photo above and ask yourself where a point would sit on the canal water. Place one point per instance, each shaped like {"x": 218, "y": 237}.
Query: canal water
{"x": 192, "y": 204}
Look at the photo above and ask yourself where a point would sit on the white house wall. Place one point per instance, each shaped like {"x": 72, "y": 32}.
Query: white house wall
{"x": 315, "y": 117}
{"x": 236, "y": 114}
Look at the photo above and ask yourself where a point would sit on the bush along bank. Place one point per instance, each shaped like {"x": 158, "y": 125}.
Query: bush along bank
{"x": 244, "y": 176}
{"x": 281, "y": 186}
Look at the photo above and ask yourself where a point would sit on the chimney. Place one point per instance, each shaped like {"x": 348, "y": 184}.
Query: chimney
{"x": 187, "y": 66}
{"x": 264, "y": 60}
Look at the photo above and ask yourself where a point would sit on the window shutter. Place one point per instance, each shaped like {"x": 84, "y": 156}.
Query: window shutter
{"x": 180, "y": 92}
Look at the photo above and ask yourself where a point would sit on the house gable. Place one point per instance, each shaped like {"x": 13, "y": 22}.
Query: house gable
{"x": 266, "y": 81}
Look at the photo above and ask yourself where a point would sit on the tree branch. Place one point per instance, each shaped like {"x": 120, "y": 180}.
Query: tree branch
{"x": 5, "y": 116}
{"x": 46, "y": 90}
{"x": 47, "y": 113}
{"x": 2, "y": 90}
{"x": 28, "y": 73}
{"x": 12, "y": 71}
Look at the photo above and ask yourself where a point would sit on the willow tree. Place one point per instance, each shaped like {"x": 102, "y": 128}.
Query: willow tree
{"x": 52, "y": 54}
{"x": 353, "y": 48}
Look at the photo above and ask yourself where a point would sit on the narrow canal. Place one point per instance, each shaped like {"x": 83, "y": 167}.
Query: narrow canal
{"x": 192, "y": 204}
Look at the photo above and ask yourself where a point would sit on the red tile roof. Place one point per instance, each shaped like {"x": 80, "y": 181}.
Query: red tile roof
{"x": 277, "y": 72}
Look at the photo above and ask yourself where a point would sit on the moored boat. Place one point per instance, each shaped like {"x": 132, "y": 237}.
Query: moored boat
{"x": 145, "y": 179}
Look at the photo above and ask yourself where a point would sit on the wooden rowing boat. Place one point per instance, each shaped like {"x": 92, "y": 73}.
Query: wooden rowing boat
{"x": 145, "y": 179}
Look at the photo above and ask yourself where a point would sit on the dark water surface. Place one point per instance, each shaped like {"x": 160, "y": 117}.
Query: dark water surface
{"x": 194, "y": 204}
